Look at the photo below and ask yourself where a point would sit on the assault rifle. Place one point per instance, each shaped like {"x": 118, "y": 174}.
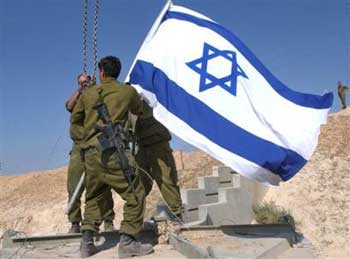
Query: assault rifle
{"x": 113, "y": 137}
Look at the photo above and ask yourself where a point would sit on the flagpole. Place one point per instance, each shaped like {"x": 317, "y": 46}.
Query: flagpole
{"x": 150, "y": 34}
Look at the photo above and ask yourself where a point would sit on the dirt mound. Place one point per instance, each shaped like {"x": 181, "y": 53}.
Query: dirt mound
{"x": 35, "y": 202}
{"x": 318, "y": 196}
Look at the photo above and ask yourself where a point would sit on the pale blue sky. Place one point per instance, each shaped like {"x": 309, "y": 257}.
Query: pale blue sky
{"x": 304, "y": 43}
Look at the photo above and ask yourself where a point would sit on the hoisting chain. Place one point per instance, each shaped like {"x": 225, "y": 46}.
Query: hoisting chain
{"x": 97, "y": 6}
{"x": 85, "y": 34}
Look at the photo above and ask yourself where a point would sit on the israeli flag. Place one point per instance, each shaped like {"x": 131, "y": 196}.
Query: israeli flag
{"x": 209, "y": 89}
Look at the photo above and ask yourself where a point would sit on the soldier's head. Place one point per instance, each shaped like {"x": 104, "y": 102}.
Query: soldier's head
{"x": 83, "y": 80}
{"x": 109, "y": 66}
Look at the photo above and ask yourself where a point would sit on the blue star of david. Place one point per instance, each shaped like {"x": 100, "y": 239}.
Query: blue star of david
{"x": 207, "y": 80}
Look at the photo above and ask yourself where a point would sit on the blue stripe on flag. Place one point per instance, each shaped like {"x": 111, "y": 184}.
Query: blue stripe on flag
{"x": 278, "y": 160}
{"x": 307, "y": 100}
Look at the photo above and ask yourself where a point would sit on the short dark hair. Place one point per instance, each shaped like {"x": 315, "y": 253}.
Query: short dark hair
{"x": 111, "y": 66}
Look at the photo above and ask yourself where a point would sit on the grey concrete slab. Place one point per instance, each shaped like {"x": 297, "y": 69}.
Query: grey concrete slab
{"x": 297, "y": 253}
{"x": 190, "y": 214}
{"x": 275, "y": 250}
{"x": 238, "y": 181}
{"x": 228, "y": 177}
{"x": 209, "y": 183}
{"x": 257, "y": 249}
{"x": 187, "y": 248}
{"x": 191, "y": 199}
{"x": 219, "y": 245}
{"x": 234, "y": 207}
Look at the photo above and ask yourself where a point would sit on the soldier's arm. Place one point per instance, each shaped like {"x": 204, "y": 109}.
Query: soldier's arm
{"x": 71, "y": 102}
{"x": 136, "y": 103}
{"x": 78, "y": 114}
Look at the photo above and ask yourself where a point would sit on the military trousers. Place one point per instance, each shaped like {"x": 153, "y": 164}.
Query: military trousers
{"x": 158, "y": 161}
{"x": 102, "y": 171}
{"x": 342, "y": 96}
{"x": 75, "y": 170}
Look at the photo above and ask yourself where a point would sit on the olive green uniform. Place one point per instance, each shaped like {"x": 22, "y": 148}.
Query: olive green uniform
{"x": 155, "y": 156}
{"x": 75, "y": 171}
{"x": 342, "y": 94}
{"x": 102, "y": 168}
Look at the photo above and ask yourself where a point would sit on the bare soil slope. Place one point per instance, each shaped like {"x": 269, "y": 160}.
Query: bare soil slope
{"x": 319, "y": 195}
{"x": 35, "y": 202}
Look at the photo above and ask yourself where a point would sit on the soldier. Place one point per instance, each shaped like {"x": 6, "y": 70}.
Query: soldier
{"x": 155, "y": 156}
{"x": 76, "y": 168}
{"x": 102, "y": 166}
{"x": 342, "y": 94}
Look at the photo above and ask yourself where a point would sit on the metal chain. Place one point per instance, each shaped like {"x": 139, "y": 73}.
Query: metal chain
{"x": 97, "y": 7}
{"x": 85, "y": 34}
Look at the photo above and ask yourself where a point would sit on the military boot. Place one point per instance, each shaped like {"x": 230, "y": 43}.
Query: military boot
{"x": 87, "y": 246}
{"x": 75, "y": 228}
{"x": 129, "y": 247}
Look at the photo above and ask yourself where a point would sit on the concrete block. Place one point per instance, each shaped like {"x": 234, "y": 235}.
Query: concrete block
{"x": 221, "y": 169}
{"x": 190, "y": 214}
{"x": 228, "y": 177}
{"x": 257, "y": 190}
{"x": 238, "y": 181}
{"x": 193, "y": 197}
{"x": 241, "y": 200}
{"x": 210, "y": 185}
{"x": 224, "y": 198}
{"x": 234, "y": 207}
{"x": 243, "y": 247}
{"x": 280, "y": 246}
{"x": 297, "y": 253}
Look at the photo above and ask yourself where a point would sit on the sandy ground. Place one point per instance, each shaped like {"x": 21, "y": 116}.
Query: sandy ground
{"x": 318, "y": 196}
{"x": 35, "y": 202}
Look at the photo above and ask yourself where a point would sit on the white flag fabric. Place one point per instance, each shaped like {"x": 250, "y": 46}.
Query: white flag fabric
{"x": 209, "y": 89}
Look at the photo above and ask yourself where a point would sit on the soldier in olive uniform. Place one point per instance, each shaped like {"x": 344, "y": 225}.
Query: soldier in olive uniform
{"x": 76, "y": 168}
{"x": 342, "y": 93}
{"x": 102, "y": 167}
{"x": 155, "y": 156}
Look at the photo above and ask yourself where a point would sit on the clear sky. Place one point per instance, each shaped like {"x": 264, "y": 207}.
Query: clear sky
{"x": 304, "y": 43}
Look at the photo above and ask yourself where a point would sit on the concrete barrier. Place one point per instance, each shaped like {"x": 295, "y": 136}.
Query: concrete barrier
{"x": 223, "y": 198}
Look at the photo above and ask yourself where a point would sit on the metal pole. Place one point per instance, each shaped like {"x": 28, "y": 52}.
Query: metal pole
{"x": 75, "y": 194}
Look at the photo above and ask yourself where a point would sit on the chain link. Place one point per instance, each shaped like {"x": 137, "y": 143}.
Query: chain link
{"x": 85, "y": 34}
{"x": 97, "y": 7}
